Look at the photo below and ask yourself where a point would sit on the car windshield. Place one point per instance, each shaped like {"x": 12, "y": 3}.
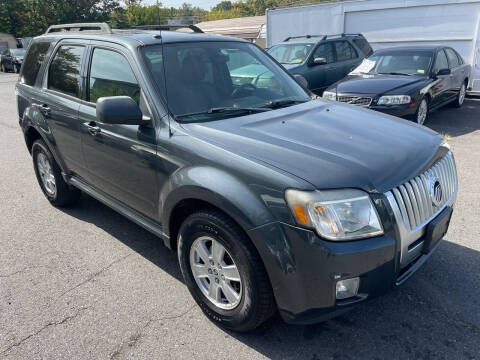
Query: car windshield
{"x": 290, "y": 53}
{"x": 204, "y": 81}
{"x": 396, "y": 63}
{"x": 18, "y": 52}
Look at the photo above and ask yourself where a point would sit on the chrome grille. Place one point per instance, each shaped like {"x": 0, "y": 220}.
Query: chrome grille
{"x": 355, "y": 100}
{"x": 413, "y": 205}
{"x": 414, "y": 198}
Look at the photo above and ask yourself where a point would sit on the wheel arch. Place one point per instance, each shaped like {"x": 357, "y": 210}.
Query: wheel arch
{"x": 192, "y": 189}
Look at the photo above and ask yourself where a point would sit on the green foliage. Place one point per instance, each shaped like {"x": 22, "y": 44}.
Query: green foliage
{"x": 24, "y": 18}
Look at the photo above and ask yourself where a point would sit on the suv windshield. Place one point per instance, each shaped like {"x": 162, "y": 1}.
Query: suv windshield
{"x": 396, "y": 63}
{"x": 18, "y": 52}
{"x": 211, "y": 80}
{"x": 290, "y": 53}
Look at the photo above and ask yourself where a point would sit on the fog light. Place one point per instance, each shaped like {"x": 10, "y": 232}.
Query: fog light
{"x": 347, "y": 288}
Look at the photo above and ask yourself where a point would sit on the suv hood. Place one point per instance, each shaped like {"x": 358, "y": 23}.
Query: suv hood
{"x": 375, "y": 83}
{"x": 328, "y": 144}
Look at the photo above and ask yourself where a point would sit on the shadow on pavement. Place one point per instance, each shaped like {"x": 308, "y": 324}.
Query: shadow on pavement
{"x": 456, "y": 122}
{"x": 432, "y": 316}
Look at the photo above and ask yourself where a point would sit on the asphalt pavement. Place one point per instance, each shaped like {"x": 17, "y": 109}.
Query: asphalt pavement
{"x": 86, "y": 283}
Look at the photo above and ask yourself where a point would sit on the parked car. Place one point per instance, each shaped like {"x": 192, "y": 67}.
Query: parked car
{"x": 321, "y": 60}
{"x": 272, "y": 200}
{"x": 407, "y": 82}
{"x": 11, "y": 60}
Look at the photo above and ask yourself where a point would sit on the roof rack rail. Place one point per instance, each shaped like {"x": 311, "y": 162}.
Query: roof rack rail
{"x": 167, "y": 27}
{"x": 101, "y": 27}
{"x": 302, "y": 36}
{"x": 324, "y": 37}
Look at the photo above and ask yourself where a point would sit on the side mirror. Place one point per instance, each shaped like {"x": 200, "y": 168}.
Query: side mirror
{"x": 301, "y": 81}
{"x": 443, "y": 72}
{"x": 319, "y": 61}
{"x": 119, "y": 110}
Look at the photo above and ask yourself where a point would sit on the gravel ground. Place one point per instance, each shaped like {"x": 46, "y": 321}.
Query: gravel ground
{"x": 85, "y": 283}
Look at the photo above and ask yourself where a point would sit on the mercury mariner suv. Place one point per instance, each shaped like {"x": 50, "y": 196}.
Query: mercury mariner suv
{"x": 273, "y": 200}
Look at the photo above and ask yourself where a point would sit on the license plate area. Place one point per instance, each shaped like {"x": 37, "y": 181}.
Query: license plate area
{"x": 437, "y": 229}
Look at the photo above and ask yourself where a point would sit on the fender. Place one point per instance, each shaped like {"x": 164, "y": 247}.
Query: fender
{"x": 218, "y": 188}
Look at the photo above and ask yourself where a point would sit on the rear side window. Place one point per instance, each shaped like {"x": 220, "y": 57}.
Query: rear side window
{"x": 345, "y": 51}
{"x": 64, "y": 73}
{"x": 452, "y": 58}
{"x": 363, "y": 45}
{"x": 33, "y": 60}
{"x": 111, "y": 75}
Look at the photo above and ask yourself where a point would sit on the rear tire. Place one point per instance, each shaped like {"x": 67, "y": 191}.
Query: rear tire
{"x": 4, "y": 69}
{"x": 50, "y": 178}
{"x": 461, "y": 96}
{"x": 252, "y": 301}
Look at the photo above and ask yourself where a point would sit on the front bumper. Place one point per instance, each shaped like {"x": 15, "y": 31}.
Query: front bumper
{"x": 304, "y": 269}
{"x": 405, "y": 110}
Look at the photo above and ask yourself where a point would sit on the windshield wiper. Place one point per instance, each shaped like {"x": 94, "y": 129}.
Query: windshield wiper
{"x": 394, "y": 73}
{"x": 230, "y": 110}
{"x": 282, "y": 103}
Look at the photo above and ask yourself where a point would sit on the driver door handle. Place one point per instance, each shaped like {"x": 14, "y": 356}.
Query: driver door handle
{"x": 92, "y": 128}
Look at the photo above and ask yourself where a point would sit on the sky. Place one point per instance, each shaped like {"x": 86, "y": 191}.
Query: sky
{"x": 204, "y": 4}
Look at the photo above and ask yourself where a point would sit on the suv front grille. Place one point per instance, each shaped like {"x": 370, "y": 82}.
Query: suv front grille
{"x": 415, "y": 197}
{"x": 415, "y": 203}
{"x": 355, "y": 100}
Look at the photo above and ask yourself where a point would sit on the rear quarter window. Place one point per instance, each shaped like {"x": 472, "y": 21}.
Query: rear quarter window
{"x": 33, "y": 61}
{"x": 363, "y": 45}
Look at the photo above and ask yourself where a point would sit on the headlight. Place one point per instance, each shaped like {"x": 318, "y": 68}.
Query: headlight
{"x": 329, "y": 95}
{"x": 335, "y": 214}
{"x": 394, "y": 100}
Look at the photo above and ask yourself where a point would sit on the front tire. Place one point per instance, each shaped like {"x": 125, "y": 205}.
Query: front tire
{"x": 49, "y": 177}
{"x": 223, "y": 271}
{"x": 461, "y": 96}
{"x": 17, "y": 69}
{"x": 422, "y": 111}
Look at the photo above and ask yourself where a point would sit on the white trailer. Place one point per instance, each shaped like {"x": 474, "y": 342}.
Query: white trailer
{"x": 388, "y": 23}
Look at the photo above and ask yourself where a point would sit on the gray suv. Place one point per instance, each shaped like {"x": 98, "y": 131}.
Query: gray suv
{"x": 273, "y": 201}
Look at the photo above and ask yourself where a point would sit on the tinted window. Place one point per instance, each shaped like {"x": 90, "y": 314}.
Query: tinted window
{"x": 64, "y": 73}
{"x": 363, "y": 45}
{"x": 325, "y": 51}
{"x": 290, "y": 53}
{"x": 441, "y": 62}
{"x": 452, "y": 58}
{"x": 33, "y": 61}
{"x": 345, "y": 51}
{"x": 111, "y": 75}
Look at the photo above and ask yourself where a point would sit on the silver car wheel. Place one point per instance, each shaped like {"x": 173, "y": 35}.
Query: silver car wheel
{"x": 422, "y": 112}
{"x": 46, "y": 174}
{"x": 215, "y": 273}
{"x": 461, "y": 95}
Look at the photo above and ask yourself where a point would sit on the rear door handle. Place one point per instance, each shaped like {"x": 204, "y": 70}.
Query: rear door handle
{"x": 92, "y": 128}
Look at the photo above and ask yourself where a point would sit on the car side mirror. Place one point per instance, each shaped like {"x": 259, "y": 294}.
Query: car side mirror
{"x": 301, "y": 81}
{"x": 443, "y": 72}
{"x": 119, "y": 110}
{"x": 319, "y": 61}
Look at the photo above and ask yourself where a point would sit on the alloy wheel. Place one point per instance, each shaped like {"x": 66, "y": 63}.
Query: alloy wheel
{"x": 422, "y": 112}
{"x": 215, "y": 273}
{"x": 461, "y": 95}
{"x": 46, "y": 174}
